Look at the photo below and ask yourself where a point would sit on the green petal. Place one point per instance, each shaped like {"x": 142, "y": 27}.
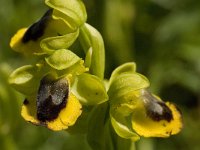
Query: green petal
{"x": 126, "y": 83}
{"x": 62, "y": 59}
{"x": 90, "y": 38}
{"x": 24, "y": 79}
{"x": 122, "y": 127}
{"x": 89, "y": 89}
{"x": 59, "y": 42}
{"x": 71, "y": 11}
{"x": 129, "y": 67}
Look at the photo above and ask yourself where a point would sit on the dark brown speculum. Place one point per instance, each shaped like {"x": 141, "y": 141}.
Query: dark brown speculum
{"x": 52, "y": 98}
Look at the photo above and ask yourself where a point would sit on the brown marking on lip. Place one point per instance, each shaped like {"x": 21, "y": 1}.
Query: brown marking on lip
{"x": 51, "y": 99}
{"x": 166, "y": 113}
{"x": 26, "y": 102}
{"x": 156, "y": 109}
{"x": 36, "y": 30}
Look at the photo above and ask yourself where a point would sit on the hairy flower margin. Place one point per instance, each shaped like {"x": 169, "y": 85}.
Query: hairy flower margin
{"x": 61, "y": 84}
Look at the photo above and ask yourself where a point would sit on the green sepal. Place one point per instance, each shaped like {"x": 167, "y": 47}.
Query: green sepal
{"x": 51, "y": 44}
{"x": 89, "y": 89}
{"x": 62, "y": 59}
{"x": 73, "y": 12}
{"x": 90, "y": 38}
{"x": 69, "y": 22}
{"x": 26, "y": 79}
{"x": 122, "y": 125}
{"x": 129, "y": 67}
{"x": 126, "y": 83}
{"x": 88, "y": 58}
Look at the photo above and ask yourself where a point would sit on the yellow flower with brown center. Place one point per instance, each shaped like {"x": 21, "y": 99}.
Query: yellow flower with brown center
{"x": 56, "y": 89}
{"x": 55, "y": 106}
{"x": 135, "y": 111}
{"x": 44, "y": 36}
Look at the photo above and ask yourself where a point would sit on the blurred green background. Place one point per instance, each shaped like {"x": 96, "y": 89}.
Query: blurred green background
{"x": 161, "y": 36}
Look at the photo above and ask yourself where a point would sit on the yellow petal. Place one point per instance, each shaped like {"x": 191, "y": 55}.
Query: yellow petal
{"x": 148, "y": 127}
{"x": 67, "y": 116}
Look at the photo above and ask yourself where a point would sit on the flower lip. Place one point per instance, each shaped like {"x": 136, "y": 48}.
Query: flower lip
{"x": 51, "y": 99}
{"x": 156, "y": 109}
{"x": 36, "y": 30}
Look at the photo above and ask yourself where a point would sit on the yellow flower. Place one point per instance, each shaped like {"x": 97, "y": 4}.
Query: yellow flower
{"x": 155, "y": 118}
{"x": 135, "y": 110}
{"x": 44, "y": 36}
{"x": 55, "y": 107}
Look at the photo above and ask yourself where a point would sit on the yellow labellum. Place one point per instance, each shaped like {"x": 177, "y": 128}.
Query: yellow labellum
{"x": 17, "y": 44}
{"x": 67, "y": 116}
{"x": 147, "y": 127}
{"x": 16, "y": 39}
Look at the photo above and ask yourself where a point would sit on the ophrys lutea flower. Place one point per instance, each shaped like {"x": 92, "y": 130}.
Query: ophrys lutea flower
{"x": 135, "y": 111}
{"x": 57, "y": 29}
{"x": 56, "y": 88}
